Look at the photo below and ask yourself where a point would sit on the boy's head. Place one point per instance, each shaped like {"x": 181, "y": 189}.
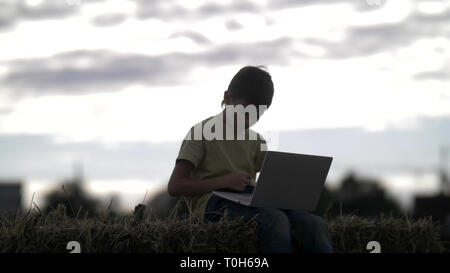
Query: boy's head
{"x": 250, "y": 85}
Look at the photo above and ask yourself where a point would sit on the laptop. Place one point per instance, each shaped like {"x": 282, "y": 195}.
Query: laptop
{"x": 286, "y": 181}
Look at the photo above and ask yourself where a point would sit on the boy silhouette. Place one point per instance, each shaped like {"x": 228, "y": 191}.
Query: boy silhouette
{"x": 205, "y": 164}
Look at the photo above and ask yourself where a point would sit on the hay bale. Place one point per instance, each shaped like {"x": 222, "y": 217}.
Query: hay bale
{"x": 50, "y": 232}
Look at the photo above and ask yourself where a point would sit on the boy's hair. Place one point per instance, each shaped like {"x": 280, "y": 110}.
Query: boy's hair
{"x": 253, "y": 84}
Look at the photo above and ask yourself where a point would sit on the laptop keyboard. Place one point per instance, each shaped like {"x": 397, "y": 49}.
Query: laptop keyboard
{"x": 244, "y": 197}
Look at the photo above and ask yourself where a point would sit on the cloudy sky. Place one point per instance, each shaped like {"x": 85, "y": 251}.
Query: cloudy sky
{"x": 115, "y": 85}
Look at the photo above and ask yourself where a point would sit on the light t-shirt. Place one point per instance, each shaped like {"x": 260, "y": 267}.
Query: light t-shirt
{"x": 214, "y": 158}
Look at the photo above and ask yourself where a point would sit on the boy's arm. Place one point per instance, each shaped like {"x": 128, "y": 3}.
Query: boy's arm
{"x": 181, "y": 183}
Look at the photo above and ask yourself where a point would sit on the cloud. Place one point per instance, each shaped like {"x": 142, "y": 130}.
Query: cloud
{"x": 12, "y": 12}
{"x": 359, "y": 5}
{"x": 369, "y": 40}
{"x": 233, "y": 25}
{"x": 15, "y": 11}
{"x": 108, "y": 20}
{"x": 194, "y": 36}
{"x": 81, "y": 72}
{"x": 158, "y": 9}
{"x": 393, "y": 150}
{"x": 38, "y": 157}
{"x": 438, "y": 74}
{"x": 5, "y": 111}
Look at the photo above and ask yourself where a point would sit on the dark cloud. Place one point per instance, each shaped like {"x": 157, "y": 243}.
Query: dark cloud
{"x": 156, "y": 9}
{"x": 7, "y": 19}
{"x": 107, "y": 71}
{"x": 12, "y": 12}
{"x": 15, "y": 11}
{"x": 359, "y": 5}
{"x": 368, "y": 40}
{"x": 170, "y": 10}
{"x": 108, "y": 20}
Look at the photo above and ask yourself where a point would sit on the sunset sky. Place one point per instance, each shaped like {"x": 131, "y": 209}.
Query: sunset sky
{"x": 115, "y": 85}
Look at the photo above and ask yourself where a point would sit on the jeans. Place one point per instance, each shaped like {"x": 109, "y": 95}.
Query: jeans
{"x": 278, "y": 229}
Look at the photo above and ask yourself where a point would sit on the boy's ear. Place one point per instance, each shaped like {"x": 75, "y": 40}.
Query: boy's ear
{"x": 227, "y": 97}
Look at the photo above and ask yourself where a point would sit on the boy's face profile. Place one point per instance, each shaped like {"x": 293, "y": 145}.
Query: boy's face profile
{"x": 241, "y": 102}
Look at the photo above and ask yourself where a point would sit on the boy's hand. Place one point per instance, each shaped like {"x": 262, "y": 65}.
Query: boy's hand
{"x": 236, "y": 181}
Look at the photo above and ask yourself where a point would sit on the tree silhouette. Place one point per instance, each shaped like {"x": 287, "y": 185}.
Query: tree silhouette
{"x": 74, "y": 197}
{"x": 363, "y": 197}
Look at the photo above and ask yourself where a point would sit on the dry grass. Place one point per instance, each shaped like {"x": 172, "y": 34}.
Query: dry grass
{"x": 395, "y": 235}
{"x": 38, "y": 232}
{"x": 50, "y": 232}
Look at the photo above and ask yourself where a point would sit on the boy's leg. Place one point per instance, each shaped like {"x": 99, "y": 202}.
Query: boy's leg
{"x": 273, "y": 224}
{"x": 310, "y": 231}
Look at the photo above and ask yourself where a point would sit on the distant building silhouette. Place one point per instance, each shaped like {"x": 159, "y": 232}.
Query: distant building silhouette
{"x": 10, "y": 196}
